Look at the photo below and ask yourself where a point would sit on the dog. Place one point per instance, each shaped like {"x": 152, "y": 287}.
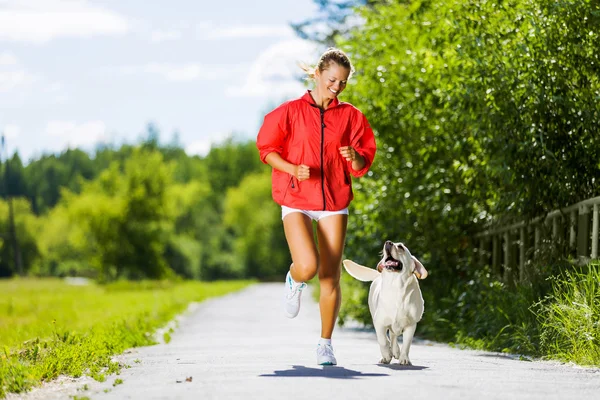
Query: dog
{"x": 395, "y": 300}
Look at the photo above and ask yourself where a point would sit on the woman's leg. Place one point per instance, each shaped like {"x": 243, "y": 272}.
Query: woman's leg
{"x": 331, "y": 235}
{"x": 299, "y": 235}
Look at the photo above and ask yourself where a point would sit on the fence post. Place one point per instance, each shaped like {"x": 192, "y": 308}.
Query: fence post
{"x": 537, "y": 239}
{"x": 595, "y": 233}
{"x": 507, "y": 256}
{"x": 573, "y": 233}
{"x": 555, "y": 228}
{"x": 583, "y": 232}
{"x": 496, "y": 254}
{"x": 522, "y": 255}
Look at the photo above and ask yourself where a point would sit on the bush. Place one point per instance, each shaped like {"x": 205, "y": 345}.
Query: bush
{"x": 569, "y": 317}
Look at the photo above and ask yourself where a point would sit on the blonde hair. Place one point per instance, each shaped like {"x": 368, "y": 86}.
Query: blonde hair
{"x": 331, "y": 55}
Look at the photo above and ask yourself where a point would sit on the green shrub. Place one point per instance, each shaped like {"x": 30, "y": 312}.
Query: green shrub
{"x": 569, "y": 317}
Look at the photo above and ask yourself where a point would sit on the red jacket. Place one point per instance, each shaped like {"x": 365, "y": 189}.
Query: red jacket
{"x": 302, "y": 133}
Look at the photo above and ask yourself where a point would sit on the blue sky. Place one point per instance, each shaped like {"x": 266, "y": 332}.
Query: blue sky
{"x": 74, "y": 73}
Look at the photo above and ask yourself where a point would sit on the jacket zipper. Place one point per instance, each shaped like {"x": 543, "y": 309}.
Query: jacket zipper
{"x": 322, "y": 161}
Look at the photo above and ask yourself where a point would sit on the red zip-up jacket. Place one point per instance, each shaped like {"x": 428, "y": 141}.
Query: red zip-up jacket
{"x": 303, "y": 133}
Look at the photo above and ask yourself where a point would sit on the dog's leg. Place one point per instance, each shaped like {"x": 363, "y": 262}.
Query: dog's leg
{"x": 395, "y": 347}
{"x": 384, "y": 345}
{"x": 407, "y": 338}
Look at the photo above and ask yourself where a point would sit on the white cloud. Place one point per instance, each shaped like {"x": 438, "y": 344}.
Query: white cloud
{"x": 7, "y": 59}
{"x": 12, "y": 75}
{"x": 180, "y": 72}
{"x": 11, "y": 131}
{"x": 40, "y": 21}
{"x": 10, "y": 80}
{"x": 71, "y": 134}
{"x": 275, "y": 72}
{"x": 164, "y": 36}
{"x": 208, "y": 31}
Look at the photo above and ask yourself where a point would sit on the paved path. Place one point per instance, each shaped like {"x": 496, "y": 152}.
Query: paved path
{"x": 242, "y": 347}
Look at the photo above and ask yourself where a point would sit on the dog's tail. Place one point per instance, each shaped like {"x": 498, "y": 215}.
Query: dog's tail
{"x": 364, "y": 274}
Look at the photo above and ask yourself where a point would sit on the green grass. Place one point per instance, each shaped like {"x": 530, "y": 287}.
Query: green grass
{"x": 569, "y": 317}
{"x": 49, "y": 328}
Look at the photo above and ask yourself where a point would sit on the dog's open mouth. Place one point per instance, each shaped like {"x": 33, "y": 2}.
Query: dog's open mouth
{"x": 392, "y": 264}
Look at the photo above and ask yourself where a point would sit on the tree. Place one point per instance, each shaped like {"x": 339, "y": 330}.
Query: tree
{"x": 255, "y": 220}
{"x": 126, "y": 218}
{"x": 334, "y": 20}
{"x": 229, "y": 162}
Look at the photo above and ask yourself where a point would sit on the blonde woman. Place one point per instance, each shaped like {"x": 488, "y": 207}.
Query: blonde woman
{"x": 314, "y": 144}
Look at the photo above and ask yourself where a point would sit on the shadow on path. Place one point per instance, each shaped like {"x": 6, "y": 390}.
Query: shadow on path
{"x": 399, "y": 367}
{"x": 511, "y": 357}
{"x": 325, "y": 372}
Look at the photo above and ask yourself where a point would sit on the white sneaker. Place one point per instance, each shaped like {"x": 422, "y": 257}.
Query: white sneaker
{"x": 325, "y": 355}
{"x": 293, "y": 292}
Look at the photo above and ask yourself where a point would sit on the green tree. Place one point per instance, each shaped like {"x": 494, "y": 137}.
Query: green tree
{"x": 333, "y": 20}
{"x": 126, "y": 218}
{"x": 26, "y": 229}
{"x": 229, "y": 162}
{"x": 255, "y": 220}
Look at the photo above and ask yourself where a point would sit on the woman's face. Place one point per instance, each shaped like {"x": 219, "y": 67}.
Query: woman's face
{"x": 332, "y": 81}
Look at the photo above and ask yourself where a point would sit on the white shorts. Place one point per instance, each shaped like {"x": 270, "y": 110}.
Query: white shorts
{"x": 314, "y": 215}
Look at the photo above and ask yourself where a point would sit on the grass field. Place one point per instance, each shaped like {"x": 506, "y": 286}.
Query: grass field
{"x": 49, "y": 328}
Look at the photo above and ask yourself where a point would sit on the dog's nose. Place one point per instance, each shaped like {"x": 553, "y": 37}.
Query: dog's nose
{"x": 387, "y": 247}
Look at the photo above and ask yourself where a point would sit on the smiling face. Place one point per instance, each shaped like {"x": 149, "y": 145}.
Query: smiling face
{"x": 330, "y": 82}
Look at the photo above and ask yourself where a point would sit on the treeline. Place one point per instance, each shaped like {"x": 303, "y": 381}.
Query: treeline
{"x": 142, "y": 211}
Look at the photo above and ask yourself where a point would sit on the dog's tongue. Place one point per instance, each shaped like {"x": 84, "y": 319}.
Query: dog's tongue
{"x": 391, "y": 263}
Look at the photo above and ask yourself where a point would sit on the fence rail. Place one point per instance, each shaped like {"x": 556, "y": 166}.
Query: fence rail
{"x": 509, "y": 248}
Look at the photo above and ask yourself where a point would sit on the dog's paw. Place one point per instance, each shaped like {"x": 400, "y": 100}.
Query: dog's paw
{"x": 403, "y": 360}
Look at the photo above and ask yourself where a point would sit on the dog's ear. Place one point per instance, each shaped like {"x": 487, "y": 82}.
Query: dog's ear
{"x": 359, "y": 272}
{"x": 420, "y": 270}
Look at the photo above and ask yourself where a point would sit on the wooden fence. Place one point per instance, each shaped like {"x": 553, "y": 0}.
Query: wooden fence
{"x": 508, "y": 249}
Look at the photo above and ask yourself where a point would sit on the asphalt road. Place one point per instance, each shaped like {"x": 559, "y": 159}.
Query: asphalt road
{"x": 241, "y": 346}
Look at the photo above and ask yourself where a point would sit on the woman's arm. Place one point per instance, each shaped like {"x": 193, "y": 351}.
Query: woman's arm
{"x": 301, "y": 172}
{"x": 358, "y": 161}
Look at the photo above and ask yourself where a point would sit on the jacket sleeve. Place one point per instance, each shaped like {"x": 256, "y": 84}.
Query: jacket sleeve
{"x": 272, "y": 133}
{"x": 362, "y": 140}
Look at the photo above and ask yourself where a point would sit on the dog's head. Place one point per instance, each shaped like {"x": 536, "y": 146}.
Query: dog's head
{"x": 397, "y": 259}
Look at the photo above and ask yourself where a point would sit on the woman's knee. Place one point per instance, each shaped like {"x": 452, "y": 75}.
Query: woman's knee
{"x": 329, "y": 278}
{"x": 305, "y": 269}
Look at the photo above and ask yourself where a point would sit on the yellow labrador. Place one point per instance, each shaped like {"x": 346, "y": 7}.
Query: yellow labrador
{"x": 395, "y": 299}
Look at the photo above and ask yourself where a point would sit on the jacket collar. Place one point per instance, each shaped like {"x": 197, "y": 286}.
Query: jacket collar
{"x": 335, "y": 102}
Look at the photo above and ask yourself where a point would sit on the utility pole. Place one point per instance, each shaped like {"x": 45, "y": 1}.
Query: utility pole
{"x": 11, "y": 214}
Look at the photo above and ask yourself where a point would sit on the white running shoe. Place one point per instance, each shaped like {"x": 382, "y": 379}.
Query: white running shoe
{"x": 325, "y": 355}
{"x": 293, "y": 292}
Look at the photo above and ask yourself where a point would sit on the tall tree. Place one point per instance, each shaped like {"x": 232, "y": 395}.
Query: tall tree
{"x": 334, "y": 19}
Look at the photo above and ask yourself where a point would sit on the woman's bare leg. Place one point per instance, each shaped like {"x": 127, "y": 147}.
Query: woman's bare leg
{"x": 299, "y": 235}
{"x": 331, "y": 235}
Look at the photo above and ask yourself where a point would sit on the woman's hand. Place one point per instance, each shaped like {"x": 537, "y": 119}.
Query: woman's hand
{"x": 302, "y": 172}
{"x": 348, "y": 152}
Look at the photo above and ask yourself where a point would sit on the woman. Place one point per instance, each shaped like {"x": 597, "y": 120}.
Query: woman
{"x": 313, "y": 144}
